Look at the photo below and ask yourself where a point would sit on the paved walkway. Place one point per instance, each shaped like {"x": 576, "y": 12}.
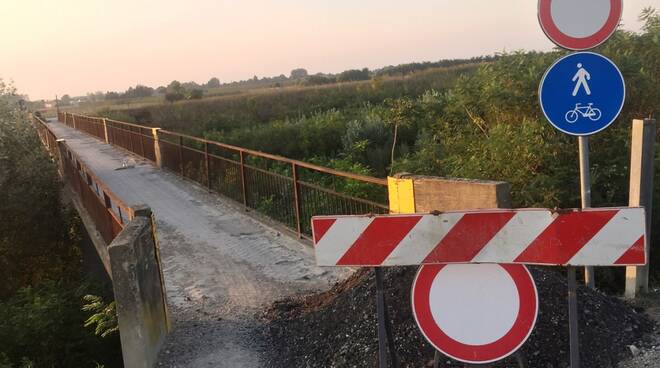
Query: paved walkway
{"x": 221, "y": 267}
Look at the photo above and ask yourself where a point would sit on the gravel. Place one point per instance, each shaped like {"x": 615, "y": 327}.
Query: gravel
{"x": 337, "y": 328}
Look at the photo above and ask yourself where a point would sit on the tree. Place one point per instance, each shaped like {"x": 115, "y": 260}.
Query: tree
{"x": 173, "y": 96}
{"x": 175, "y": 86}
{"x": 402, "y": 112}
{"x": 196, "y": 94}
{"x": 354, "y": 75}
{"x": 298, "y": 73}
{"x": 213, "y": 83}
{"x": 317, "y": 79}
{"x": 112, "y": 95}
{"x": 141, "y": 91}
{"x": 95, "y": 96}
{"x": 190, "y": 85}
{"x": 41, "y": 323}
{"x": 65, "y": 100}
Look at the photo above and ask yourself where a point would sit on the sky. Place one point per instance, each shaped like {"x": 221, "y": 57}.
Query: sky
{"x": 53, "y": 47}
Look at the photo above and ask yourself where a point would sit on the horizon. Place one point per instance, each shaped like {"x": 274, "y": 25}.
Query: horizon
{"x": 235, "y": 41}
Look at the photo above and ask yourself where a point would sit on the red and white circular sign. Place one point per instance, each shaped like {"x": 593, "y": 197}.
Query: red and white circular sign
{"x": 475, "y": 313}
{"x": 579, "y": 25}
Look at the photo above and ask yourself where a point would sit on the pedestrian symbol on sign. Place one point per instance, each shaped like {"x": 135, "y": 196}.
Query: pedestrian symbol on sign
{"x": 582, "y": 76}
{"x": 582, "y": 93}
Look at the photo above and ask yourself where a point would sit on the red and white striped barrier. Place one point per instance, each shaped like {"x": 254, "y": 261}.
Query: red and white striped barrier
{"x": 590, "y": 237}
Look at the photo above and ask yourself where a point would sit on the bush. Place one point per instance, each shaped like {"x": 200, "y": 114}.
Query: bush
{"x": 196, "y": 94}
{"x": 44, "y": 325}
{"x": 41, "y": 324}
{"x": 173, "y": 96}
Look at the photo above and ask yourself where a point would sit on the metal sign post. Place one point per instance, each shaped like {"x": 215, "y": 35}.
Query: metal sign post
{"x": 585, "y": 193}
{"x": 573, "y": 319}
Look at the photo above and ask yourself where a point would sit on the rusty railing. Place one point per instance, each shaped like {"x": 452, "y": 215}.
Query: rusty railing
{"x": 288, "y": 191}
{"x": 106, "y": 210}
{"x": 135, "y": 138}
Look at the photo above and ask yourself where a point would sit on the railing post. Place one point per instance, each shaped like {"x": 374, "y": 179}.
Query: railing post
{"x": 243, "y": 182}
{"x": 141, "y": 142}
{"x": 181, "y": 155}
{"x": 108, "y": 205}
{"x": 73, "y": 118}
{"x": 206, "y": 162}
{"x": 642, "y": 152}
{"x": 105, "y": 130}
{"x": 130, "y": 138}
{"x": 296, "y": 194}
{"x": 157, "y": 155}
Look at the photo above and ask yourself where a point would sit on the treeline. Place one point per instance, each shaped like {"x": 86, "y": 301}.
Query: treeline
{"x": 176, "y": 91}
{"x": 250, "y": 109}
{"x": 43, "y": 283}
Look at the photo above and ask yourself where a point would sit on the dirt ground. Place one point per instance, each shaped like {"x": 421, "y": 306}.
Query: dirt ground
{"x": 338, "y": 328}
{"x": 647, "y": 355}
{"x": 221, "y": 266}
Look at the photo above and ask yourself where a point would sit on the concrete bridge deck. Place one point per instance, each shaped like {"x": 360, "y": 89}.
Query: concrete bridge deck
{"x": 221, "y": 266}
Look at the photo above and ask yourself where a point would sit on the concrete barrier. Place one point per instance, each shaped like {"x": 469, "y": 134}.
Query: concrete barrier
{"x": 416, "y": 193}
{"x": 139, "y": 291}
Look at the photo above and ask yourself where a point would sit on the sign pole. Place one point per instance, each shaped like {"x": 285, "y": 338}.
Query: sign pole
{"x": 585, "y": 194}
{"x": 573, "y": 319}
{"x": 436, "y": 359}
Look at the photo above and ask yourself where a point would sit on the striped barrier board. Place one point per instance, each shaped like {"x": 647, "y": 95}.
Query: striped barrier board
{"x": 589, "y": 237}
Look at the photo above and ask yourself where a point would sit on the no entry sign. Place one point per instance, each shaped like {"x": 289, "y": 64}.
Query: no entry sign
{"x": 579, "y": 25}
{"x": 582, "y": 93}
{"x": 475, "y": 313}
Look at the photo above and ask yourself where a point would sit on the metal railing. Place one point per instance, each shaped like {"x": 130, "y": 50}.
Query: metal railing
{"x": 106, "y": 210}
{"x": 286, "y": 190}
{"x": 135, "y": 138}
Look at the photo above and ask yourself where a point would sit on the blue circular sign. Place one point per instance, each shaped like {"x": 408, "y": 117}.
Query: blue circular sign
{"x": 582, "y": 93}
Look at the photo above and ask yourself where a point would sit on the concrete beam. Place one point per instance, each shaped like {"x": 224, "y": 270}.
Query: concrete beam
{"x": 416, "y": 193}
{"x": 139, "y": 292}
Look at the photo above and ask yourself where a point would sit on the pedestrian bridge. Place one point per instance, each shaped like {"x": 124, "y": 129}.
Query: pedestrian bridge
{"x": 222, "y": 258}
{"x": 199, "y": 236}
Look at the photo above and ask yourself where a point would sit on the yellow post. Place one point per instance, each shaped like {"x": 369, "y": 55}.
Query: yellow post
{"x": 159, "y": 158}
{"x": 401, "y": 195}
{"x": 105, "y": 130}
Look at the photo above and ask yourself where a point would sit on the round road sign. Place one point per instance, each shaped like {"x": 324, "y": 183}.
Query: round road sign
{"x": 582, "y": 93}
{"x": 579, "y": 25}
{"x": 475, "y": 313}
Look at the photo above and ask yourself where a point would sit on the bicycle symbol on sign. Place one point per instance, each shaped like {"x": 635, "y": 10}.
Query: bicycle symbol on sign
{"x": 588, "y": 111}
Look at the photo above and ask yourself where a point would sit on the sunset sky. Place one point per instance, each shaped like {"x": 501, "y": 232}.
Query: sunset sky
{"x": 76, "y": 46}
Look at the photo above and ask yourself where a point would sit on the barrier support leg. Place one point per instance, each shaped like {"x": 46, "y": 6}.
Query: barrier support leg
{"x": 573, "y": 319}
{"x": 385, "y": 338}
{"x": 381, "y": 313}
